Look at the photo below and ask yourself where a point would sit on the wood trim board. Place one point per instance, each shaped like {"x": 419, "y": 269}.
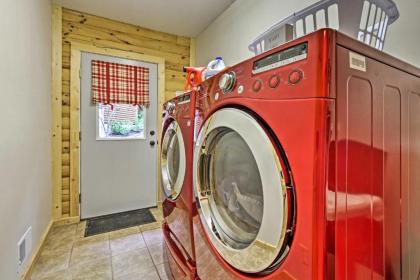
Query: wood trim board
{"x": 74, "y": 131}
{"x": 56, "y": 110}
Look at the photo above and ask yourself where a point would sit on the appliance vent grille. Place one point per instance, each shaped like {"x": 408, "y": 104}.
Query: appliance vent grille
{"x": 24, "y": 247}
{"x": 22, "y": 251}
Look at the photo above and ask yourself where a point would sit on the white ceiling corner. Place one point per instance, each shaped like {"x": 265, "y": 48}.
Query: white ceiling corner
{"x": 181, "y": 17}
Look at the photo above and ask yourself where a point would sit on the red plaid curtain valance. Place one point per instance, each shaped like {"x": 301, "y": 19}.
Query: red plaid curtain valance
{"x": 119, "y": 83}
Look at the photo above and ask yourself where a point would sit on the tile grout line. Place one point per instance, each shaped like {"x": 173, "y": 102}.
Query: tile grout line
{"x": 140, "y": 233}
{"x": 66, "y": 263}
{"x": 76, "y": 237}
{"x": 110, "y": 253}
{"x": 72, "y": 247}
{"x": 150, "y": 254}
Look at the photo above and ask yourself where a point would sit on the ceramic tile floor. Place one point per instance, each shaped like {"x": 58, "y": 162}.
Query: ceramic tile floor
{"x": 132, "y": 253}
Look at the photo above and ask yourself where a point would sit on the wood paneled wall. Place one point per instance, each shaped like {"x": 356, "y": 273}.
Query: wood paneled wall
{"x": 101, "y": 32}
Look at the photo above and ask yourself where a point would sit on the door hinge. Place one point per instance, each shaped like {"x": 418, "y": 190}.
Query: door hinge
{"x": 80, "y": 136}
{"x": 80, "y": 198}
{"x": 80, "y": 74}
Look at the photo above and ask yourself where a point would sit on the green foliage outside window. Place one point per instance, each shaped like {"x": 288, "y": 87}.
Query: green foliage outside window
{"x": 125, "y": 128}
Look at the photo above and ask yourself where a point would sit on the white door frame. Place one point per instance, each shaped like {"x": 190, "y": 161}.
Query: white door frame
{"x": 75, "y": 62}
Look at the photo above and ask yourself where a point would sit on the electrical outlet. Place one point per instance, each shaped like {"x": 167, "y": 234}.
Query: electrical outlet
{"x": 24, "y": 249}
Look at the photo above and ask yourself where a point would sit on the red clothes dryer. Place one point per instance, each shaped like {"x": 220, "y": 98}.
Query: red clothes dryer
{"x": 176, "y": 182}
{"x": 306, "y": 165}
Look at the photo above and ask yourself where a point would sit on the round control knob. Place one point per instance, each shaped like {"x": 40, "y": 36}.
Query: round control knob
{"x": 257, "y": 85}
{"x": 295, "y": 76}
{"x": 227, "y": 81}
{"x": 274, "y": 81}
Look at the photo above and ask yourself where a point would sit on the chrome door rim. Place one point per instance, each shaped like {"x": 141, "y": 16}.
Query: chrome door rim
{"x": 173, "y": 131}
{"x": 267, "y": 246}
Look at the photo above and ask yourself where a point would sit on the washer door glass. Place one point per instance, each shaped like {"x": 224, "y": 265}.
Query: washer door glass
{"x": 172, "y": 161}
{"x": 241, "y": 191}
{"x": 236, "y": 187}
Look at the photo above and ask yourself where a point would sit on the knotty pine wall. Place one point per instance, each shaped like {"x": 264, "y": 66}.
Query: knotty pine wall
{"x": 102, "y": 32}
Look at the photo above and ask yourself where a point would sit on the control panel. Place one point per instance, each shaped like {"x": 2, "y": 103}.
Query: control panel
{"x": 281, "y": 58}
{"x": 183, "y": 108}
{"x": 291, "y": 71}
{"x": 185, "y": 98}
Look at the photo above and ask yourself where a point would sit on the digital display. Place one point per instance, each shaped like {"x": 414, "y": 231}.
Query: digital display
{"x": 184, "y": 98}
{"x": 281, "y": 58}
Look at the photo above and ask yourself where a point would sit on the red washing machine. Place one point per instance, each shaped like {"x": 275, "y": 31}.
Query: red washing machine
{"x": 306, "y": 165}
{"x": 176, "y": 181}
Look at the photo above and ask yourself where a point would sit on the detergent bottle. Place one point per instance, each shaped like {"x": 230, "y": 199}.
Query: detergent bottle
{"x": 194, "y": 77}
{"x": 214, "y": 67}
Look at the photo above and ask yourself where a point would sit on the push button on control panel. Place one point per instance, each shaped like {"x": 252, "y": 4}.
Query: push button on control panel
{"x": 295, "y": 77}
{"x": 274, "y": 81}
{"x": 257, "y": 85}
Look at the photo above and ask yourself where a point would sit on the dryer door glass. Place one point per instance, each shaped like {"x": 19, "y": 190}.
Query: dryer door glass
{"x": 172, "y": 161}
{"x": 236, "y": 188}
{"x": 244, "y": 201}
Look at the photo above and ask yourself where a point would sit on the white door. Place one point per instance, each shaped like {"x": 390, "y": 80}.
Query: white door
{"x": 244, "y": 202}
{"x": 118, "y": 165}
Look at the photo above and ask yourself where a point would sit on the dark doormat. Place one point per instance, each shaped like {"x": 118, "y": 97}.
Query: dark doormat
{"x": 118, "y": 221}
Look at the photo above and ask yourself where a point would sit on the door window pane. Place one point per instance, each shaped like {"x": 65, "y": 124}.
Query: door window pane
{"x": 120, "y": 121}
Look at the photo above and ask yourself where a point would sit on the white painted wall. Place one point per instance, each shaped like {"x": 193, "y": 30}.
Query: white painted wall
{"x": 25, "y": 157}
{"x": 230, "y": 34}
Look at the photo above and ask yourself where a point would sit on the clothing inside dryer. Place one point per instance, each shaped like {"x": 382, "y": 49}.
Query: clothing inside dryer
{"x": 237, "y": 197}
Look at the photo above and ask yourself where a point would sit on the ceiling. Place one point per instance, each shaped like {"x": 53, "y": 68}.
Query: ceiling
{"x": 181, "y": 17}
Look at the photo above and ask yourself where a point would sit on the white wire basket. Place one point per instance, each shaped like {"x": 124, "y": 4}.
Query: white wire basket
{"x": 366, "y": 20}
